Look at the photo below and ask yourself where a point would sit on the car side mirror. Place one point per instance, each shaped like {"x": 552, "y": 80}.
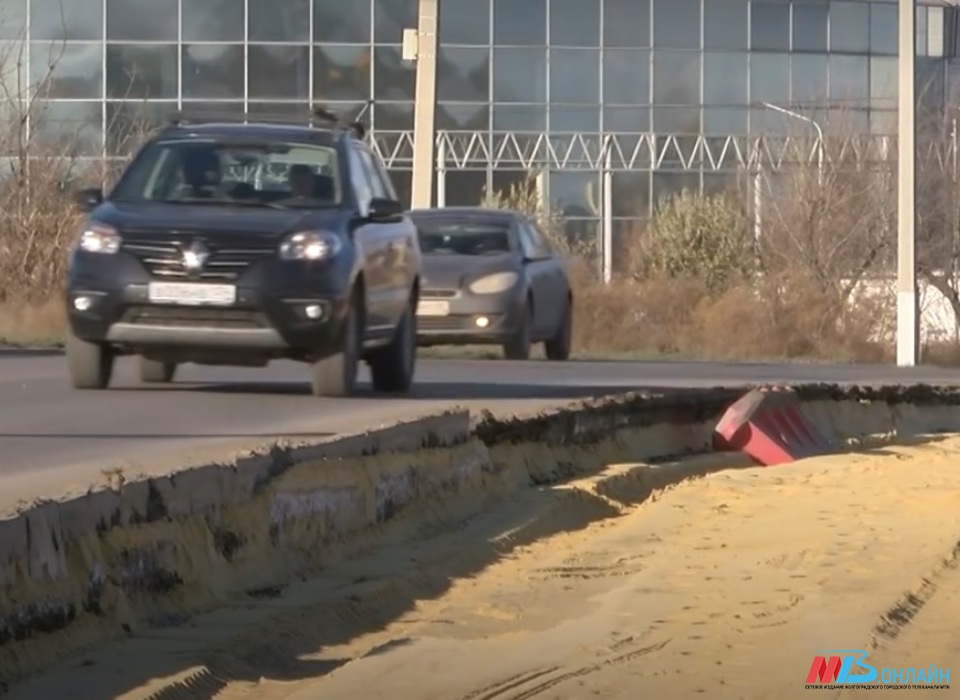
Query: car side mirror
{"x": 89, "y": 198}
{"x": 383, "y": 208}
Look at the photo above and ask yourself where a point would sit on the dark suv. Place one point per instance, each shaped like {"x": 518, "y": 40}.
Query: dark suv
{"x": 234, "y": 242}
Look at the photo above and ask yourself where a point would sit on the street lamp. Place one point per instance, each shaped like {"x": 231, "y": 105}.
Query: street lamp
{"x": 908, "y": 317}
{"x": 812, "y": 122}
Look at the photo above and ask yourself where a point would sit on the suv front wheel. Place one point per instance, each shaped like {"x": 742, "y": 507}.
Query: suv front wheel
{"x": 336, "y": 376}
{"x": 392, "y": 366}
{"x": 90, "y": 364}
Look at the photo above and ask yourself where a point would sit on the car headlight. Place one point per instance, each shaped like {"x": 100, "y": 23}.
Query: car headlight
{"x": 99, "y": 238}
{"x": 310, "y": 245}
{"x": 494, "y": 284}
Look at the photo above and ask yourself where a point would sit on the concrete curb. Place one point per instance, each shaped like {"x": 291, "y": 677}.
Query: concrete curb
{"x": 86, "y": 570}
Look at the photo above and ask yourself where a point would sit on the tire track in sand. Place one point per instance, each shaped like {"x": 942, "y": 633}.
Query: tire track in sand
{"x": 536, "y": 682}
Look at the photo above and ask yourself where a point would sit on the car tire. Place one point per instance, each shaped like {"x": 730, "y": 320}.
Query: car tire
{"x": 559, "y": 346}
{"x": 518, "y": 347}
{"x": 155, "y": 372}
{"x": 392, "y": 367}
{"x": 336, "y": 376}
{"x": 90, "y": 364}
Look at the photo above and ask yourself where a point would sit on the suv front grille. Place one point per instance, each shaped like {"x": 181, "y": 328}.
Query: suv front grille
{"x": 195, "y": 317}
{"x": 163, "y": 258}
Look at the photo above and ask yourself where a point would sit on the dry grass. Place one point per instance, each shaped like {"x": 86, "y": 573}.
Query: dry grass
{"x": 39, "y": 324}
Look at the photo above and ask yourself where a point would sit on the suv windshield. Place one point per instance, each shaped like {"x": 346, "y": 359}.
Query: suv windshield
{"x": 457, "y": 238}
{"x": 193, "y": 171}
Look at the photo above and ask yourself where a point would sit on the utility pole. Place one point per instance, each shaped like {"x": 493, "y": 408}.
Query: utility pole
{"x": 424, "y": 109}
{"x": 908, "y": 313}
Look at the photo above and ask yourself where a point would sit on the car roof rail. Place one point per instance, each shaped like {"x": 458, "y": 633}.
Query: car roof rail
{"x": 320, "y": 117}
{"x": 331, "y": 119}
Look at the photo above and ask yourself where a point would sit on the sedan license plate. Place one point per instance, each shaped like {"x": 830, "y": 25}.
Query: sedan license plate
{"x": 191, "y": 294}
{"x": 431, "y": 307}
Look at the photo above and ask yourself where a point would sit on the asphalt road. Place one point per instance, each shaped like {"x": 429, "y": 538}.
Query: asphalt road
{"x": 48, "y": 430}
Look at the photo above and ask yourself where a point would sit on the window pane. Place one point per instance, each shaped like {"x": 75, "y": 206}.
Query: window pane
{"x": 390, "y": 18}
{"x": 13, "y": 19}
{"x": 463, "y": 117}
{"x": 65, "y": 70}
{"x": 883, "y": 81}
{"x": 849, "y": 79}
{"x": 676, "y": 78}
{"x": 725, "y": 78}
{"x": 341, "y": 73}
{"x": 626, "y": 76}
{"x": 725, "y": 25}
{"x": 809, "y": 80}
{"x": 278, "y": 72}
{"x": 216, "y": 108}
{"x": 393, "y": 116}
{"x": 212, "y": 71}
{"x": 626, "y": 23}
{"x": 725, "y": 121}
{"x": 574, "y": 22}
{"x": 72, "y": 128}
{"x": 142, "y": 72}
{"x": 295, "y": 111}
{"x": 463, "y": 75}
{"x": 930, "y": 78}
{"x": 850, "y": 27}
{"x": 127, "y": 122}
{"x": 392, "y": 78}
{"x": 676, "y": 120}
{"x": 341, "y": 21}
{"x": 676, "y": 24}
{"x": 142, "y": 20}
{"x": 769, "y": 77}
{"x": 883, "y": 28}
{"x": 520, "y": 23}
{"x": 213, "y": 20}
{"x": 278, "y": 20}
{"x": 883, "y": 122}
{"x": 936, "y": 33}
{"x": 575, "y": 75}
{"x": 519, "y": 75}
{"x": 519, "y": 117}
{"x": 627, "y": 120}
{"x": 810, "y": 27}
{"x": 66, "y": 20}
{"x": 770, "y": 27}
{"x": 465, "y": 22}
{"x": 571, "y": 119}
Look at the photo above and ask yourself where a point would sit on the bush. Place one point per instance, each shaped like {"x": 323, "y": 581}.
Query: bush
{"x": 702, "y": 237}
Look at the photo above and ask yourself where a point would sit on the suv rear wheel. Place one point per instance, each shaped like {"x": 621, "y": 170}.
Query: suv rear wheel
{"x": 336, "y": 376}
{"x": 90, "y": 364}
{"x": 392, "y": 366}
{"x": 155, "y": 372}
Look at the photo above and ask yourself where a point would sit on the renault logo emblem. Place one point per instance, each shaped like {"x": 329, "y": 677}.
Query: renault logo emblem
{"x": 195, "y": 256}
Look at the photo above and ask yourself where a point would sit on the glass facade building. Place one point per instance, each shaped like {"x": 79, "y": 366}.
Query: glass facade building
{"x": 663, "y": 93}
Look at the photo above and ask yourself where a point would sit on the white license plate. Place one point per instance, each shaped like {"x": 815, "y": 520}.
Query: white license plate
{"x": 431, "y": 307}
{"x": 191, "y": 294}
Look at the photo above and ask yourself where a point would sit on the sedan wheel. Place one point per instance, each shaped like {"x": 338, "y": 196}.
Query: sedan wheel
{"x": 559, "y": 346}
{"x": 518, "y": 348}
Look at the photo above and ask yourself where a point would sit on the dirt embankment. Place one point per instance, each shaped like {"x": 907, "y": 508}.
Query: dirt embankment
{"x": 116, "y": 565}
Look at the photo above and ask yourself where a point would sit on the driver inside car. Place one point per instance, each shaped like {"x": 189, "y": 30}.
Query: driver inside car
{"x": 300, "y": 179}
{"x": 201, "y": 172}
